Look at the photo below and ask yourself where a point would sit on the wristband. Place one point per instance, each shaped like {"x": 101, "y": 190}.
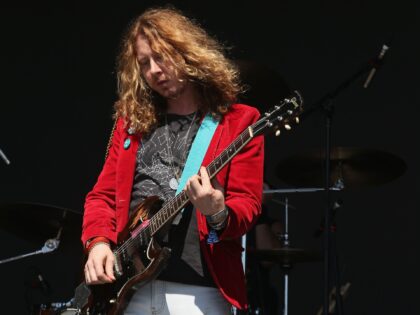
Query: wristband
{"x": 218, "y": 217}
{"x": 218, "y": 226}
{"x": 95, "y": 241}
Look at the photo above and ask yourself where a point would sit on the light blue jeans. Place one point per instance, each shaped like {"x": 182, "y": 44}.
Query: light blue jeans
{"x": 171, "y": 298}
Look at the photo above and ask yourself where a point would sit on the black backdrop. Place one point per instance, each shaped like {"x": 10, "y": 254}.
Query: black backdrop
{"x": 58, "y": 87}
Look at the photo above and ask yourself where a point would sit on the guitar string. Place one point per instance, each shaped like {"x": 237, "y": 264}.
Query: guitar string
{"x": 225, "y": 152}
{"x": 175, "y": 200}
{"x": 172, "y": 202}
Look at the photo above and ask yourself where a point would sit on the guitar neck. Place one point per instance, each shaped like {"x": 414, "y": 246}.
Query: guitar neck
{"x": 176, "y": 204}
{"x": 282, "y": 115}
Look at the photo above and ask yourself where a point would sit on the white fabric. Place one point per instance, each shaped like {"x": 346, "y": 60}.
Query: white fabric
{"x": 171, "y": 298}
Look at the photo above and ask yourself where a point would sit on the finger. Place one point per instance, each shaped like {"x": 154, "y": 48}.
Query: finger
{"x": 91, "y": 272}
{"x": 205, "y": 179}
{"x": 188, "y": 190}
{"x": 100, "y": 272}
{"x": 216, "y": 184}
{"x": 87, "y": 277}
{"x": 194, "y": 187}
{"x": 109, "y": 267}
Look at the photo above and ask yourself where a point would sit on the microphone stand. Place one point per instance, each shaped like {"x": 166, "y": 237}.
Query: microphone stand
{"x": 326, "y": 105}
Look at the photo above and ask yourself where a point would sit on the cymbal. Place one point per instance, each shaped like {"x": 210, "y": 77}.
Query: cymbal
{"x": 286, "y": 256}
{"x": 39, "y": 222}
{"x": 353, "y": 167}
{"x": 265, "y": 86}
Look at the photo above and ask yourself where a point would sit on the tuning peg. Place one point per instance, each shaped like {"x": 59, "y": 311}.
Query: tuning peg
{"x": 297, "y": 120}
{"x": 277, "y": 133}
{"x": 287, "y": 127}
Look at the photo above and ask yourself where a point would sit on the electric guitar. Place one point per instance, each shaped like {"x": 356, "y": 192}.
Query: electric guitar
{"x": 138, "y": 256}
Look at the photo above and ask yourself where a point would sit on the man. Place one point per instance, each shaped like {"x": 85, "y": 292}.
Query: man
{"x": 173, "y": 77}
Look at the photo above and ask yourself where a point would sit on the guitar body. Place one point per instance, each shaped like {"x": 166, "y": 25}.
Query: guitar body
{"x": 136, "y": 263}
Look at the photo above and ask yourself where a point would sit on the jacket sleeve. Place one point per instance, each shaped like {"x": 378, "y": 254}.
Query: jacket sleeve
{"x": 99, "y": 218}
{"x": 243, "y": 189}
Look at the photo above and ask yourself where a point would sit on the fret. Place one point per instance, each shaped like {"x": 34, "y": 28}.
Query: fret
{"x": 177, "y": 204}
{"x": 228, "y": 153}
{"x": 164, "y": 214}
{"x": 157, "y": 218}
{"x": 224, "y": 157}
{"x": 160, "y": 219}
{"x": 153, "y": 225}
{"x": 211, "y": 169}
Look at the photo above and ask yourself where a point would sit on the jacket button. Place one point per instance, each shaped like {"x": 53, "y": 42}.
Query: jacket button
{"x": 127, "y": 143}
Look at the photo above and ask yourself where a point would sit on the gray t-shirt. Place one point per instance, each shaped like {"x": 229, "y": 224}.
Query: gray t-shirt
{"x": 161, "y": 157}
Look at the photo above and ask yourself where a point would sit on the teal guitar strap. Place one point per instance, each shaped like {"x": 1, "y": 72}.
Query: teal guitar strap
{"x": 196, "y": 155}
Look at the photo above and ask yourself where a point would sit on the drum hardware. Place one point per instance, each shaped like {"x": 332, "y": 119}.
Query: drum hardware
{"x": 297, "y": 190}
{"x": 350, "y": 168}
{"x": 286, "y": 256}
{"x": 49, "y": 246}
{"x": 4, "y": 157}
{"x": 287, "y": 264}
{"x": 281, "y": 203}
{"x": 55, "y": 308}
{"x": 32, "y": 220}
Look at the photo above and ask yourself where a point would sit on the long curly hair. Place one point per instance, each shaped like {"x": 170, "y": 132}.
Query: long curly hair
{"x": 194, "y": 55}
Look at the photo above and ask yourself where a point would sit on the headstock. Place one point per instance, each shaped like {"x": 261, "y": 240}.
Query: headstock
{"x": 281, "y": 116}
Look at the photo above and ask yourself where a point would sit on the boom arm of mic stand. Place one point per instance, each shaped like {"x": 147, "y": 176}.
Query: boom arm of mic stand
{"x": 320, "y": 104}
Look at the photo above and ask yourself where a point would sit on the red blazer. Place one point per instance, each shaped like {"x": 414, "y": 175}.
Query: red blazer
{"x": 107, "y": 205}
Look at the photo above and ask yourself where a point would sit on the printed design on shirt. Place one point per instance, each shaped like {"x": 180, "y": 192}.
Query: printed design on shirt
{"x": 157, "y": 158}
